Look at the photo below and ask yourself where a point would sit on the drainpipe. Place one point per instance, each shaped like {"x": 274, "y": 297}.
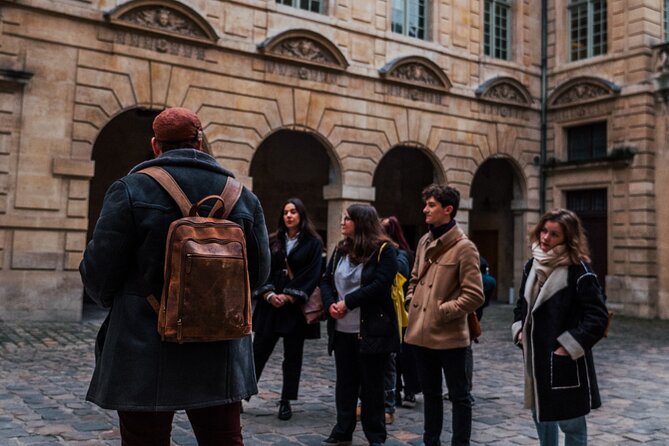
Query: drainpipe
{"x": 543, "y": 149}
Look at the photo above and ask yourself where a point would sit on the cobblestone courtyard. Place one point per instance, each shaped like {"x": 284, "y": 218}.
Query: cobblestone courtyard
{"x": 45, "y": 368}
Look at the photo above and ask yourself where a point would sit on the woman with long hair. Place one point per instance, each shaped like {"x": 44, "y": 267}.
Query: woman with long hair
{"x": 402, "y": 367}
{"x": 362, "y": 324}
{"x": 559, "y": 316}
{"x": 296, "y": 250}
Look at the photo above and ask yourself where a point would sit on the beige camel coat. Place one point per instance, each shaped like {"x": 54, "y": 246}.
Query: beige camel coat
{"x": 440, "y": 301}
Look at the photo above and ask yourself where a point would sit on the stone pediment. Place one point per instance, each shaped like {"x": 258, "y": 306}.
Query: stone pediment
{"x": 582, "y": 90}
{"x": 416, "y": 71}
{"x": 166, "y": 17}
{"x": 504, "y": 90}
{"x": 305, "y": 48}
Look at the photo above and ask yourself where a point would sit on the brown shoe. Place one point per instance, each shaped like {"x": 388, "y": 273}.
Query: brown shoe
{"x": 390, "y": 418}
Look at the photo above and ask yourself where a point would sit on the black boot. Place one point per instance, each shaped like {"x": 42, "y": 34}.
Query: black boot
{"x": 285, "y": 411}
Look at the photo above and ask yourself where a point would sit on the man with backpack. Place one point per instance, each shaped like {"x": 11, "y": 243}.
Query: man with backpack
{"x": 190, "y": 360}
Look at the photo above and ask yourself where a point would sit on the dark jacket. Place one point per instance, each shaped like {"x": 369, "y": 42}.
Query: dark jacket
{"x": 378, "y": 321}
{"x": 569, "y": 311}
{"x": 123, "y": 263}
{"x": 305, "y": 261}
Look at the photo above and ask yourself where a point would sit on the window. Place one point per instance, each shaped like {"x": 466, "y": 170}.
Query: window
{"x": 409, "y": 17}
{"x": 309, "y": 5}
{"x": 586, "y": 142}
{"x": 497, "y": 28}
{"x": 587, "y": 28}
{"x": 666, "y": 20}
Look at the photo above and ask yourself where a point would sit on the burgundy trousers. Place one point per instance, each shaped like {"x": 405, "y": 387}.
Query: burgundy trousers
{"x": 213, "y": 426}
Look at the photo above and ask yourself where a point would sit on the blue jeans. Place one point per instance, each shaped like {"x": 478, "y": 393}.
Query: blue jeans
{"x": 575, "y": 431}
{"x": 430, "y": 364}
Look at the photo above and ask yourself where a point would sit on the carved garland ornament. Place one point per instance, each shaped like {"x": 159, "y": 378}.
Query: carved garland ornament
{"x": 504, "y": 90}
{"x": 583, "y": 90}
{"x": 165, "y": 17}
{"x": 304, "y": 47}
{"x": 416, "y": 72}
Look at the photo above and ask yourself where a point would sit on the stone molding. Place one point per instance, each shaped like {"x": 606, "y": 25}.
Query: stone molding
{"x": 348, "y": 192}
{"x": 167, "y": 17}
{"x": 582, "y": 90}
{"x": 504, "y": 90}
{"x": 73, "y": 168}
{"x": 304, "y": 47}
{"x": 416, "y": 71}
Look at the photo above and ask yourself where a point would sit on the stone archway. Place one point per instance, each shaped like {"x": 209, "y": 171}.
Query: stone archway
{"x": 292, "y": 164}
{"x": 399, "y": 180}
{"x": 124, "y": 142}
{"x": 495, "y": 224}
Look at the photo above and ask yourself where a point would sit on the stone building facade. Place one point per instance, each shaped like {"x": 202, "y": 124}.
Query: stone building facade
{"x": 337, "y": 102}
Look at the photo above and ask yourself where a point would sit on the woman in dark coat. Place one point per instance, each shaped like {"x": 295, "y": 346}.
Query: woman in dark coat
{"x": 558, "y": 318}
{"x": 296, "y": 270}
{"x": 362, "y": 325}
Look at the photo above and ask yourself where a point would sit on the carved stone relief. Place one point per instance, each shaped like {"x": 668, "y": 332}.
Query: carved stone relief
{"x": 581, "y": 93}
{"x": 417, "y": 73}
{"x": 163, "y": 19}
{"x": 505, "y": 93}
{"x": 304, "y": 49}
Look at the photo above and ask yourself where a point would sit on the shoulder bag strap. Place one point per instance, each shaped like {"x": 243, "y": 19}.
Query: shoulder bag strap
{"x": 436, "y": 255}
{"x": 168, "y": 183}
{"x": 230, "y": 195}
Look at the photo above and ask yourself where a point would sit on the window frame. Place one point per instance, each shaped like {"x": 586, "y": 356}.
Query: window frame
{"x": 297, "y": 5}
{"x": 406, "y": 6}
{"x": 665, "y": 20}
{"x": 490, "y": 37}
{"x": 592, "y": 47}
{"x": 595, "y": 152}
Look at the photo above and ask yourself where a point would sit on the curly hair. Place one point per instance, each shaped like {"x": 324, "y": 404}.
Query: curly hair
{"x": 445, "y": 195}
{"x": 574, "y": 235}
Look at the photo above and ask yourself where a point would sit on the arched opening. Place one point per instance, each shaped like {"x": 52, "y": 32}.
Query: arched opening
{"x": 124, "y": 142}
{"x": 399, "y": 180}
{"x": 492, "y": 221}
{"x": 292, "y": 164}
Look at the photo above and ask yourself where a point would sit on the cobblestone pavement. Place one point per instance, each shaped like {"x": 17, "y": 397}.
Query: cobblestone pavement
{"x": 45, "y": 368}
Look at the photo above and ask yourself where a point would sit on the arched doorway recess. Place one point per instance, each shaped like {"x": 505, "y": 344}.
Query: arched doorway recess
{"x": 292, "y": 164}
{"x": 123, "y": 143}
{"x": 495, "y": 221}
{"x": 398, "y": 181}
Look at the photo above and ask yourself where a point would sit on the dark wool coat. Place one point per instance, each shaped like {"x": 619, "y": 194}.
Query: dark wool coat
{"x": 378, "y": 320}
{"x": 569, "y": 311}
{"x": 305, "y": 261}
{"x": 123, "y": 263}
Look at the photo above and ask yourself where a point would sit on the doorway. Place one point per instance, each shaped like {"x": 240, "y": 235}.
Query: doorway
{"x": 292, "y": 164}
{"x": 492, "y": 221}
{"x": 399, "y": 179}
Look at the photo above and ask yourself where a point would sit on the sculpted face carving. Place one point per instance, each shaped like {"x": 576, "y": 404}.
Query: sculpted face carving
{"x": 163, "y": 19}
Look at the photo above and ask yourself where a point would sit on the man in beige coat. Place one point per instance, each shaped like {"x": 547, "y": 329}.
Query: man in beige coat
{"x": 445, "y": 287}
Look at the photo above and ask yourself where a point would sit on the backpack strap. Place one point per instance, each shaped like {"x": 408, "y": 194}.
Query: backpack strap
{"x": 230, "y": 195}
{"x": 381, "y": 250}
{"x": 168, "y": 183}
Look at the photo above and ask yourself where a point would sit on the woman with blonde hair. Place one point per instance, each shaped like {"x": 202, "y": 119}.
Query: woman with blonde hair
{"x": 559, "y": 316}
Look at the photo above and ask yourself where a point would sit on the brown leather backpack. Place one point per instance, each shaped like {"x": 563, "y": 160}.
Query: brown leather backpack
{"x": 206, "y": 294}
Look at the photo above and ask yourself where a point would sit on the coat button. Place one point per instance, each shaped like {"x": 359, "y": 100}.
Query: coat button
{"x": 424, "y": 309}
{"x": 429, "y": 286}
{"x": 422, "y": 282}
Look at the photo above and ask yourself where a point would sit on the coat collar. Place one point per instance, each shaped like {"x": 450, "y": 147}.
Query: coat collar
{"x": 445, "y": 239}
{"x": 184, "y": 157}
{"x": 555, "y": 282}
